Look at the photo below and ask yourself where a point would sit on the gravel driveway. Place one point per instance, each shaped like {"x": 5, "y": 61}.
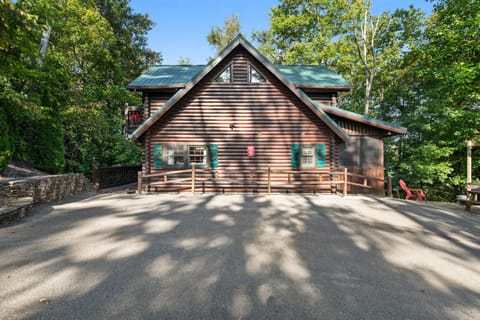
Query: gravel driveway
{"x": 125, "y": 256}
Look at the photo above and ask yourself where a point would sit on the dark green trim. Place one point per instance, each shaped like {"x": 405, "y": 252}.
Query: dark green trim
{"x": 157, "y": 156}
{"x": 295, "y": 155}
{"x": 213, "y": 155}
{"x": 321, "y": 155}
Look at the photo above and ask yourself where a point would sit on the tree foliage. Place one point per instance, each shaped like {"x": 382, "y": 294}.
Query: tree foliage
{"x": 64, "y": 108}
{"x": 419, "y": 73}
{"x": 219, "y": 37}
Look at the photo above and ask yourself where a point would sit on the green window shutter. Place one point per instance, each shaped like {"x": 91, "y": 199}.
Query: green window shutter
{"x": 295, "y": 155}
{"x": 213, "y": 151}
{"x": 321, "y": 156}
{"x": 157, "y": 156}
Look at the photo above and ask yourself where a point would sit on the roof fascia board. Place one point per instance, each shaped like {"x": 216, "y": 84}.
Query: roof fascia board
{"x": 170, "y": 86}
{"x": 324, "y": 88}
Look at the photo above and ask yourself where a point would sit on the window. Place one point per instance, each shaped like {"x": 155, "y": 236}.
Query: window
{"x": 254, "y": 76}
{"x": 197, "y": 155}
{"x": 307, "y": 156}
{"x": 175, "y": 155}
{"x": 180, "y": 155}
{"x": 225, "y": 76}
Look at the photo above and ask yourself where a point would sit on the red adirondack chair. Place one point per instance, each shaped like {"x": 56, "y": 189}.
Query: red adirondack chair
{"x": 413, "y": 193}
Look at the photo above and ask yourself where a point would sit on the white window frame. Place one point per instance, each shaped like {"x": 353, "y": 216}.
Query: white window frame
{"x": 304, "y": 150}
{"x": 222, "y": 76}
{"x": 173, "y": 153}
{"x": 260, "y": 76}
{"x": 204, "y": 155}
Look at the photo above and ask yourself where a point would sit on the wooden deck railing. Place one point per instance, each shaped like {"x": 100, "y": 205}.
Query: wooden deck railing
{"x": 267, "y": 179}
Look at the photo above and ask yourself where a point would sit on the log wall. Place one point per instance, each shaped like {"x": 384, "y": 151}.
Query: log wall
{"x": 235, "y": 116}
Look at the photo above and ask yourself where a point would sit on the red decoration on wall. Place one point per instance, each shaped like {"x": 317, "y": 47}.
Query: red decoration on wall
{"x": 251, "y": 151}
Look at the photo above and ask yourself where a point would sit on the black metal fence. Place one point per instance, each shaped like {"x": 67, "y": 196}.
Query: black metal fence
{"x": 107, "y": 177}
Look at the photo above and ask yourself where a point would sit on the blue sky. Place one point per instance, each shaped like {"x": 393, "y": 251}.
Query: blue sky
{"x": 182, "y": 25}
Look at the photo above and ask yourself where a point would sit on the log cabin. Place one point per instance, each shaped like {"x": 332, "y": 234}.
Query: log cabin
{"x": 243, "y": 124}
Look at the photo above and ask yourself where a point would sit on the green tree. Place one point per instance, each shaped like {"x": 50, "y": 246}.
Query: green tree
{"x": 94, "y": 49}
{"x": 443, "y": 110}
{"x": 184, "y": 61}
{"x": 219, "y": 37}
{"x": 344, "y": 36}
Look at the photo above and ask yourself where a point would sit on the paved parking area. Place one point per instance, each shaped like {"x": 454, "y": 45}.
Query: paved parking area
{"x": 125, "y": 256}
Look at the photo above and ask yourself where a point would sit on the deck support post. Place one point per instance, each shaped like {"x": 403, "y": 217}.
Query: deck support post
{"x": 139, "y": 182}
{"x": 469, "y": 161}
{"x": 193, "y": 178}
{"x": 389, "y": 187}
{"x": 268, "y": 181}
{"x": 345, "y": 182}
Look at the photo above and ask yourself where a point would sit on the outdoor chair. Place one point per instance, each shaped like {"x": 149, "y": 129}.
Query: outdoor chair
{"x": 412, "y": 193}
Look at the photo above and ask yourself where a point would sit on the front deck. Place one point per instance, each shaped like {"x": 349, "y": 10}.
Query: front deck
{"x": 262, "y": 181}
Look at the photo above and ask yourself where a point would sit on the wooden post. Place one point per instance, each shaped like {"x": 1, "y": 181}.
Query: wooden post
{"x": 139, "y": 182}
{"x": 216, "y": 174}
{"x": 469, "y": 161}
{"x": 389, "y": 187}
{"x": 268, "y": 181}
{"x": 289, "y": 178}
{"x": 251, "y": 177}
{"x": 165, "y": 178}
{"x": 345, "y": 182}
{"x": 193, "y": 178}
{"x": 95, "y": 177}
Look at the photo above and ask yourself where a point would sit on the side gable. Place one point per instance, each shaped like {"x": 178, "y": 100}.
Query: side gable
{"x": 238, "y": 41}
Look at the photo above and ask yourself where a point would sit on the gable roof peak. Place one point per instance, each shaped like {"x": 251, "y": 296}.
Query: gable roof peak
{"x": 239, "y": 40}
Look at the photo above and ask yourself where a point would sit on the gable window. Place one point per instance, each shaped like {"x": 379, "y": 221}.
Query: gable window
{"x": 197, "y": 155}
{"x": 225, "y": 76}
{"x": 254, "y": 76}
{"x": 175, "y": 155}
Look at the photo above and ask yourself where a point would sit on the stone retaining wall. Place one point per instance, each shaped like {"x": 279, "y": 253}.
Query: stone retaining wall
{"x": 45, "y": 188}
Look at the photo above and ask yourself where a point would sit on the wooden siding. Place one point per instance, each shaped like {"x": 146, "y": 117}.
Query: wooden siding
{"x": 328, "y": 98}
{"x": 353, "y": 128}
{"x": 263, "y": 115}
{"x": 157, "y": 100}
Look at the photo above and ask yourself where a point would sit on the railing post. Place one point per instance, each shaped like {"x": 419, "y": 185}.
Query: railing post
{"x": 389, "y": 187}
{"x": 268, "y": 181}
{"x": 139, "y": 182}
{"x": 345, "y": 182}
{"x": 193, "y": 178}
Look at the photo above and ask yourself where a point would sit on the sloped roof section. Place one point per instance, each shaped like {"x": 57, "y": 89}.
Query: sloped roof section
{"x": 178, "y": 75}
{"x": 312, "y": 76}
{"x": 391, "y": 128}
{"x": 166, "y": 75}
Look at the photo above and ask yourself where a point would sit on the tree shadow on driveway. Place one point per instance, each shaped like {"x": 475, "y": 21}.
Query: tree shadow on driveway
{"x": 239, "y": 256}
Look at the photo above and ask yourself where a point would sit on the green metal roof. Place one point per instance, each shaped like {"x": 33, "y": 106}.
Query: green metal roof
{"x": 166, "y": 75}
{"x": 299, "y": 75}
{"x": 302, "y": 75}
